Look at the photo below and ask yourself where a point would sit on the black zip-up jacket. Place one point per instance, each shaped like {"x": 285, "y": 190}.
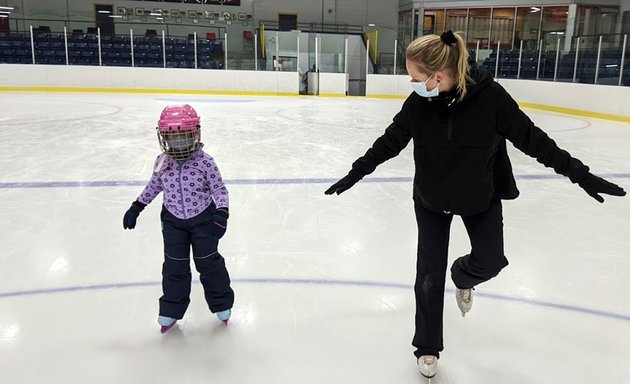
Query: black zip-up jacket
{"x": 460, "y": 152}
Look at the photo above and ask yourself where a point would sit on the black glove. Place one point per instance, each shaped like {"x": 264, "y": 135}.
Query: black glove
{"x": 345, "y": 183}
{"x": 593, "y": 185}
{"x": 219, "y": 223}
{"x": 129, "y": 221}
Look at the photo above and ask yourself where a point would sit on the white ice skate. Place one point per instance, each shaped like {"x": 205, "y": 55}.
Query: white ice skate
{"x": 166, "y": 323}
{"x": 428, "y": 365}
{"x": 224, "y": 316}
{"x": 464, "y": 299}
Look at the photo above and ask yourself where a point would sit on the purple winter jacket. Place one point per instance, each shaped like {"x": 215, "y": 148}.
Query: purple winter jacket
{"x": 188, "y": 188}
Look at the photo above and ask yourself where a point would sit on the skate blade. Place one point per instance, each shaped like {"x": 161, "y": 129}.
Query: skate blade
{"x": 165, "y": 328}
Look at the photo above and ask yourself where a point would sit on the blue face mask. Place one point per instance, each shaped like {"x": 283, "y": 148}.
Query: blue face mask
{"x": 420, "y": 87}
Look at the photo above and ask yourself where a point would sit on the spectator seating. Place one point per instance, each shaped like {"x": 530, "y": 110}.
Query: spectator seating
{"x": 83, "y": 49}
{"x": 608, "y": 73}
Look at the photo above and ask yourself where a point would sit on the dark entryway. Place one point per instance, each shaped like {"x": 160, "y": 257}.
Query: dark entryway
{"x": 103, "y": 19}
{"x": 4, "y": 24}
{"x": 287, "y": 22}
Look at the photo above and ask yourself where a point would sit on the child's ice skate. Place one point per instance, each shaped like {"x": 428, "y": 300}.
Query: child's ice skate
{"x": 428, "y": 365}
{"x": 464, "y": 299}
{"x": 166, "y": 323}
{"x": 224, "y": 316}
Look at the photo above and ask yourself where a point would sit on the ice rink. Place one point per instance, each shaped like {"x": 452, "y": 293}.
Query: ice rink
{"x": 324, "y": 284}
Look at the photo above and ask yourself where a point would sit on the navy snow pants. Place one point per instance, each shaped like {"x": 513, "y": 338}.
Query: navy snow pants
{"x": 179, "y": 235}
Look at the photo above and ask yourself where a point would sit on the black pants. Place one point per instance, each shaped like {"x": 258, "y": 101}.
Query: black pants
{"x": 485, "y": 261}
{"x": 179, "y": 235}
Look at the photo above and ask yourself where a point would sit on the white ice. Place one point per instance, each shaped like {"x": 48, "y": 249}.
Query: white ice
{"x": 323, "y": 283}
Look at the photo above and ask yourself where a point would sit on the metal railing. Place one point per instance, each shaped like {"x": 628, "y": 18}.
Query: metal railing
{"x": 112, "y": 50}
{"x": 584, "y": 59}
{"x": 588, "y": 59}
{"x": 317, "y": 27}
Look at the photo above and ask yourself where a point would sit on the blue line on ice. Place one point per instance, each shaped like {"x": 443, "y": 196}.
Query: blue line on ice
{"x": 369, "y": 284}
{"x": 84, "y": 184}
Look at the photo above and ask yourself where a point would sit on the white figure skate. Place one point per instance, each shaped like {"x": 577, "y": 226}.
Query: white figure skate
{"x": 428, "y": 365}
{"x": 464, "y": 299}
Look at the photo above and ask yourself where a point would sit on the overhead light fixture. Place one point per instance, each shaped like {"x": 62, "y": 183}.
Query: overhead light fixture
{"x": 534, "y": 9}
{"x": 104, "y": 11}
{"x": 116, "y": 16}
{"x": 4, "y": 16}
{"x": 371, "y": 25}
{"x": 9, "y": 8}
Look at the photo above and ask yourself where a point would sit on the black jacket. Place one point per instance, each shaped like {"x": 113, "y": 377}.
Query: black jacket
{"x": 460, "y": 152}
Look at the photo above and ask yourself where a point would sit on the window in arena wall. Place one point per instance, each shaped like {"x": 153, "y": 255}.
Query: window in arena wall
{"x": 457, "y": 20}
{"x": 527, "y": 27}
{"x": 502, "y": 28}
{"x": 433, "y": 21}
{"x": 479, "y": 27}
{"x": 554, "y": 26}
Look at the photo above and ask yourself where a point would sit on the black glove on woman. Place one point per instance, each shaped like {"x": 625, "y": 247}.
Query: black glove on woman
{"x": 345, "y": 183}
{"x": 593, "y": 185}
{"x": 129, "y": 221}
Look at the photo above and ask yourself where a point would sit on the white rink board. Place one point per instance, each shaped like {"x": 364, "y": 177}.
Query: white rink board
{"x": 585, "y": 97}
{"x": 333, "y": 84}
{"x": 182, "y": 79}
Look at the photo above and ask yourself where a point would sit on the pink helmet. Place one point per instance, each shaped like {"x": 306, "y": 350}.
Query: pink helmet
{"x": 179, "y": 131}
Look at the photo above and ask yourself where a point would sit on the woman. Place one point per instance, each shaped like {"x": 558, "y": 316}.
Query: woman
{"x": 459, "y": 120}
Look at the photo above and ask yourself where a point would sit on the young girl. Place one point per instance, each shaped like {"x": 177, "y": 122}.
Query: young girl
{"x": 459, "y": 119}
{"x": 194, "y": 213}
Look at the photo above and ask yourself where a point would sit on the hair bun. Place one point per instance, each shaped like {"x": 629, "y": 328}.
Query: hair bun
{"x": 448, "y": 37}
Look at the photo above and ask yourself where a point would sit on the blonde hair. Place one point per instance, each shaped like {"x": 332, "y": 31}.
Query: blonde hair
{"x": 432, "y": 53}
